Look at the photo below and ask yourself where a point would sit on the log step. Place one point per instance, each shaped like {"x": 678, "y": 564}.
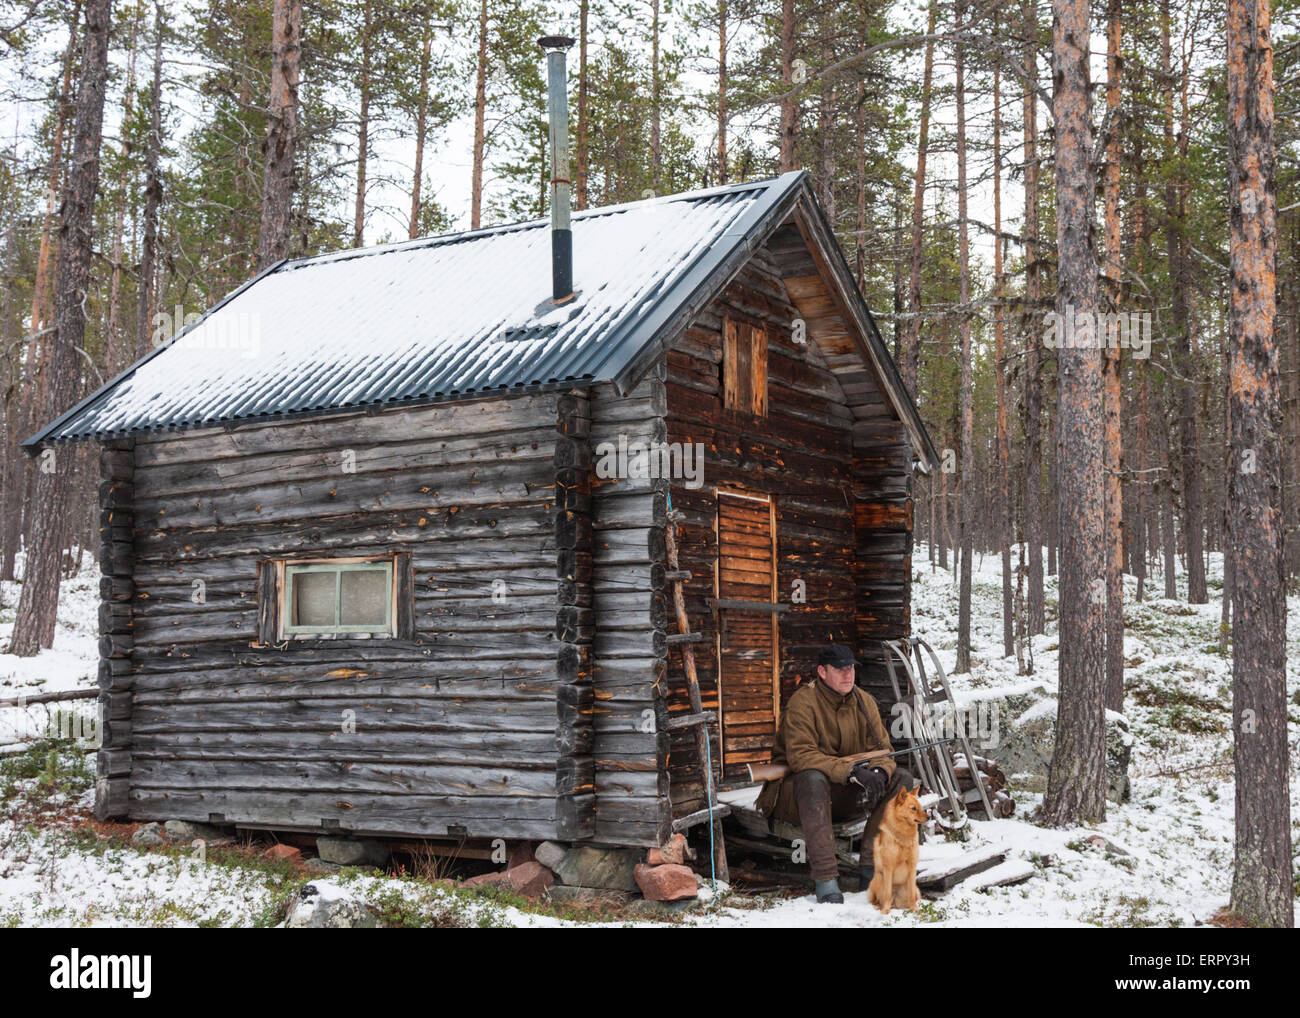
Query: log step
{"x": 688, "y": 720}
{"x": 675, "y": 638}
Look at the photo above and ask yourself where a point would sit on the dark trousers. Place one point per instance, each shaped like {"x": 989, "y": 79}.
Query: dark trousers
{"x": 822, "y": 804}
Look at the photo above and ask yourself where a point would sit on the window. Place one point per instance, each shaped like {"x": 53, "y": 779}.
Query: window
{"x": 744, "y": 367}
{"x": 328, "y": 598}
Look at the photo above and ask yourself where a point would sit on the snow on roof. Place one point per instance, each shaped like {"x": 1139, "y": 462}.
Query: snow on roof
{"x": 432, "y": 319}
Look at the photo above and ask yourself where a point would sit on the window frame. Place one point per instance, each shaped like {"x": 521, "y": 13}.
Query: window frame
{"x": 276, "y": 587}
{"x": 292, "y": 570}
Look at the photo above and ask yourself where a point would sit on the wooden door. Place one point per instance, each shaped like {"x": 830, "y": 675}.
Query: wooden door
{"x": 748, "y": 691}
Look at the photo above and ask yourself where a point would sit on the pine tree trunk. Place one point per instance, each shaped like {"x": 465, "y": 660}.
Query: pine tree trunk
{"x": 1076, "y": 789}
{"x": 912, "y": 342}
{"x": 1033, "y": 502}
{"x": 1193, "y": 517}
{"x": 282, "y": 131}
{"x": 422, "y": 113}
{"x": 480, "y": 120}
{"x": 1261, "y": 881}
{"x": 580, "y": 186}
{"x": 787, "y": 123}
{"x": 38, "y": 604}
{"x": 1114, "y": 526}
{"x": 656, "y": 98}
{"x": 965, "y": 504}
{"x": 722, "y": 91}
{"x": 363, "y": 131}
{"x": 1000, "y": 366}
{"x": 113, "y": 327}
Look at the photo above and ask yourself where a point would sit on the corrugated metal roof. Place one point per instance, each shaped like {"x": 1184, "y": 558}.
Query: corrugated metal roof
{"x": 441, "y": 318}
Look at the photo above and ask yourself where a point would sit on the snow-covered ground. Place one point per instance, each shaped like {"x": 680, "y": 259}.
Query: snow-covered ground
{"x": 1164, "y": 858}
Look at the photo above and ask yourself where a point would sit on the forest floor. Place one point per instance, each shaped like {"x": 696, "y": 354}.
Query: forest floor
{"x": 1164, "y": 857}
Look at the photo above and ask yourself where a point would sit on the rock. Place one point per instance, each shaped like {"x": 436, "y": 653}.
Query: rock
{"x": 290, "y": 852}
{"x": 320, "y": 865}
{"x": 674, "y": 852}
{"x": 586, "y": 866}
{"x": 148, "y": 835}
{"x": 669, "y": 882}
{"x": 1105, "y": 844}
{"x": 485, "y": 879}
{"x": 352, "y": 851}
{"x": 183, "y": 830}
{"x": 520, "y": 853}
{"x": 550, "y": 855}
{"x": 323, "y": 905}
{"x": 529, "y": 879}
{"x": 1026, "y": 731}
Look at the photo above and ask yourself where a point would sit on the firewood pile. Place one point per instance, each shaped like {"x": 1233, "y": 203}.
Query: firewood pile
{"x": 995, "y": 783}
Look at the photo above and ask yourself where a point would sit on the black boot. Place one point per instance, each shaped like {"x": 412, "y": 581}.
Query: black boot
{"x": 828, "y": 892}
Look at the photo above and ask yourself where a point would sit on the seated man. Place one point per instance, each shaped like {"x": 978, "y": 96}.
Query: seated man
{"x": 826, "y": 727}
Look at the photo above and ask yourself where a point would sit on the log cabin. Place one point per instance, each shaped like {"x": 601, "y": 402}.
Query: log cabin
{"x": 385, "y": 533}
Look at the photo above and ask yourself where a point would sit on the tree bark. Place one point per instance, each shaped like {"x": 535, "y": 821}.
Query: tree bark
{"x": 722, "y": 91}
{"x": 363, "y": 130}
{"x": 965, "y": 501}
{"x": 480, "y": 120}
{"x": 1000, "y": 367}
{"x": 422, "y": 113}
{"x": 1076, "y": 789}
{"x": 281, "y": 134}
{"x": 787, "y": 123}
{"x": 1035, "y": 604}
{"x": 580, "y": 184}
{"x": 1114, "y": 527}
{"x": 38, "y": 604}
{"x": 1193, "y": 516}
{"x": 912, "y": 342}
{"x": 1261, "y": 880}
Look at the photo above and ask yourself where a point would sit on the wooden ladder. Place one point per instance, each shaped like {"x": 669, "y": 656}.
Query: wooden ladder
{"x": 698, "y": 719}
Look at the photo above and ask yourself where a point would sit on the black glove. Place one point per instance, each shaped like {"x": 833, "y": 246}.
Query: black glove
{"x": 871, "y": 779}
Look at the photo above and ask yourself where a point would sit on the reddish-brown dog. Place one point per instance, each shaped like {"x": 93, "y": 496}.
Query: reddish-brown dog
{"x": 895, "y": 849}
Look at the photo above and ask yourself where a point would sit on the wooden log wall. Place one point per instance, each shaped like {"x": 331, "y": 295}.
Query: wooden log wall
{"x": 449, "y": 733}
{"x": 801, "y": 454}
{"x": 629, "y": 652}
{"x": 882, "y": 502}
{"x": 116, "y": 637}
{"x": 575, "y": 787}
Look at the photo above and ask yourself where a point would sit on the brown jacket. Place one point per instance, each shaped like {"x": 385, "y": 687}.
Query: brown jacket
{"x": 824, "y": 731}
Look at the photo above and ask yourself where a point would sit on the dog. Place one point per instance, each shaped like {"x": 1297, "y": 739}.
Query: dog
{"x": 894, "y": 850}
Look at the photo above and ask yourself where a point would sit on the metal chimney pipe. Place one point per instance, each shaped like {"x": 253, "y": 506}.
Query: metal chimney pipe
{"x": 557, "y": 91}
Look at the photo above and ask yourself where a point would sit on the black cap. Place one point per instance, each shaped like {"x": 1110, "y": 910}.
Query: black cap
{"x": 836, "y": 655}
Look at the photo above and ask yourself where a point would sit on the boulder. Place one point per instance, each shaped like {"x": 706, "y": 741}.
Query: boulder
{"x": 520, "y": 853}
{"x": 322, "y": 905}
{"x": 674, "y": 852}
{"x": 529, "y": 879}
{"x": 352, "y": 851}
{"x": 288, "y": 852}
{"x": 612, "y": 868}
{"x": 550, "y": 855}
{"x": 1027, "y": 739}
{"x": 149, "y": 835}
{"x": 183, "y": 830}
{"x": 669, "y": 882}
